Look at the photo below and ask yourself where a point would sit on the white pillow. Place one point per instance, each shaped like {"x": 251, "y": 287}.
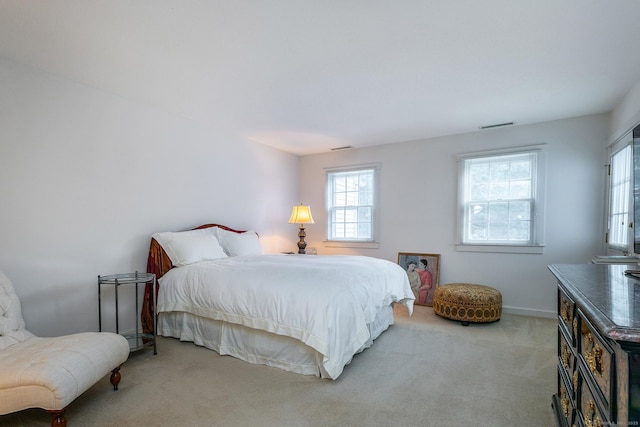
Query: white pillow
{"x": 239, "y": 244}
{"x": 222, "y": 234}
{"x": 187, "y": 247}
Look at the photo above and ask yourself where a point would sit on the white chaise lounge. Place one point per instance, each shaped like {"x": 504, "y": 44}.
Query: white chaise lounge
{"x": 49, "y": 373}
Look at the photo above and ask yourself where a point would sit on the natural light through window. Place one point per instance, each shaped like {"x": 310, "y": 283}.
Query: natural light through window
{"x": 351, "y": 205}
{"x": 500, "y": 199}
{"x": 620, "y": 176}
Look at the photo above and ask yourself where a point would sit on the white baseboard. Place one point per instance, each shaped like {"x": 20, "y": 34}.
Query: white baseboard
{"x": 529, "y": 312}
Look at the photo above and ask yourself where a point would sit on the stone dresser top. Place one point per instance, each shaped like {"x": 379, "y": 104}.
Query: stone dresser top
{"x": 609, "y": 298}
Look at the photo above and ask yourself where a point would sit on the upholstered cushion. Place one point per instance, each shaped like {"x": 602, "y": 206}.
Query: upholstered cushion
{"x": 468, "y": 302}
{"x": 12, "y": 328}
{"x": 50, "y": 373}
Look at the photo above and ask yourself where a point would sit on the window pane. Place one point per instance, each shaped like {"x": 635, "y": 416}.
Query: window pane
{"x": 499, "y": 212}
{"x": 618, "y": 231}
{"x": 352, "y": 183}
{"x": 366, "y": 181}
{"x": 351, "y": 199}
{"x": 498, "y": 231}
{"x": 478, "y": 212}
{"x": 350, "y": 215}
{"x": 478, "y": 231}
{"x": 498, "y": 198}
{"x": 364, "y": 214}
{"x": 499, "y": 190}
{"x": 620, "y": 181}
{"x": 479, "y": 171}
{"x": 520, "y": 189}
{"x": 520, "y": 170}
{"x": 519, "y": 230}
{"x": 366, "y": 196}
{"x": 519, "y": 211}
{"x": 479, "y": 191}
{"x": 350, "y": 230}
{"x": 499, "y": 171}
{"x": 364, "y": 230}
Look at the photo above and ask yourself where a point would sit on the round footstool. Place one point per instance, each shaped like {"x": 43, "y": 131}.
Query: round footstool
{"x": 468, "y": 303}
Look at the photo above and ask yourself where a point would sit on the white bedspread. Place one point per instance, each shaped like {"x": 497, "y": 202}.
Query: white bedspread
{"x": 324, "y": 301}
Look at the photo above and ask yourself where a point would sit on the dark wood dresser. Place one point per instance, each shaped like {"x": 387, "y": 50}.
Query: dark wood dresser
{"x": 598, "y": 346}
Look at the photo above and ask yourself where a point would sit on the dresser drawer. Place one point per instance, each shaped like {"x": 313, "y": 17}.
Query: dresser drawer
{"x": 567, "y": 315}
{"x": 589, "y": 411}
{"x": 568, "y": 362}
{"x": 599, "y": 361}
{"x": 566, "y": 401}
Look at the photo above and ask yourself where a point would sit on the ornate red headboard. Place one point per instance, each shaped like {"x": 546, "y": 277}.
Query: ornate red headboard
{"x": 158, "y": 262}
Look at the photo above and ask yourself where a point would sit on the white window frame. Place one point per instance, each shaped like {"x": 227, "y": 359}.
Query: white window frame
{"x": 620, "y": 200}
{"x": 359, "y": 243}
{"x": 535, "y": 245}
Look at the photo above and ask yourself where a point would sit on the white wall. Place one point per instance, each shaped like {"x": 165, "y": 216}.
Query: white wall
{"x": 626, "y": 115}
{"x": 418, "y": 205}
{"x": 86, "y": 177}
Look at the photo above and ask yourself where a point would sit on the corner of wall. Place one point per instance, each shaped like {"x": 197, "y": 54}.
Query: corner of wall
{"x": 626, "y": 115}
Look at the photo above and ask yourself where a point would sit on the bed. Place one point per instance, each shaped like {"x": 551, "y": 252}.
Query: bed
{"x": 308, "y": 314}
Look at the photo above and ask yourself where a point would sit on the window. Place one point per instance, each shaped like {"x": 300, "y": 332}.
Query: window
{"x": 619, "y": 199}
{"x": 351, "y": 204}
{"x": 500, "y": 201}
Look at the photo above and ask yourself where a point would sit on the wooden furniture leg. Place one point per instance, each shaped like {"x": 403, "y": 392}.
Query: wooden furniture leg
{"x": 115, "y": 377}
{"x": 58, "y": 419}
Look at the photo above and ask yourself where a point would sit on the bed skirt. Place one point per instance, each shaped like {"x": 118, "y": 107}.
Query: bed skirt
{"x": 256, "y": 346}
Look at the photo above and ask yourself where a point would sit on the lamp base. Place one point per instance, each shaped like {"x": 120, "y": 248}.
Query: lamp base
{"x": 302, "y": 244}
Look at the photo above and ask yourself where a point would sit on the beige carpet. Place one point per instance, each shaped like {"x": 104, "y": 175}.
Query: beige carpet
{"x": 424, "y": 371}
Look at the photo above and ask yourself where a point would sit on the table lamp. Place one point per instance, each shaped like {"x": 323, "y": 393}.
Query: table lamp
{"x": 301, "y": 215}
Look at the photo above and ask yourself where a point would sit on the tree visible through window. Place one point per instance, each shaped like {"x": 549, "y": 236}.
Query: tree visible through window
{"x": 350, "y": 204}
{"x": 500, "y": 199}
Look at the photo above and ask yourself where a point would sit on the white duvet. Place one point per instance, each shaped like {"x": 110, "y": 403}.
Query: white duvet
{"x": 324, "y": 301}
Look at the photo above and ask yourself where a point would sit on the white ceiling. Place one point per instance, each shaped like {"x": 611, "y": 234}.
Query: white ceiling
{"x": 306, "y": 76}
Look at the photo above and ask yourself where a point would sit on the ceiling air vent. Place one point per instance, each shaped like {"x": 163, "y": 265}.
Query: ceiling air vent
{"x": 346, "y": 147}
{"x": 498, "y": 125}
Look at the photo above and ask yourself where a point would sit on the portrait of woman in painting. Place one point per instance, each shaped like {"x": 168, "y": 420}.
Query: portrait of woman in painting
{"x": 423, "y": 273}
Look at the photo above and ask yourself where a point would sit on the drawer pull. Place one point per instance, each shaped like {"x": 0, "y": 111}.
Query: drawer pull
{"x": 565, "y": 310}
{"x": 591, "y": 419}
{"x": 564, "y": 401}
{"x": 566, "y": 356}
{"x": 593, "y": 354}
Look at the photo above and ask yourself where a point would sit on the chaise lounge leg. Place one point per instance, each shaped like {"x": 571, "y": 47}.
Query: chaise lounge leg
{"x": 58, "y": 419}
{"x": 115, "y": 377}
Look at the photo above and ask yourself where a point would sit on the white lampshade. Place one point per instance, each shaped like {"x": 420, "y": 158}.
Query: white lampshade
{"x": 301, "y": 214}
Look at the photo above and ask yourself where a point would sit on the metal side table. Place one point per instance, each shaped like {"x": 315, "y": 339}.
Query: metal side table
{"x": 138, "y": 339}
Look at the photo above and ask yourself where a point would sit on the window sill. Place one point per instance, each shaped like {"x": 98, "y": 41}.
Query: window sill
{"x": 506, "y": 249}
{"x": 342, "y": 244}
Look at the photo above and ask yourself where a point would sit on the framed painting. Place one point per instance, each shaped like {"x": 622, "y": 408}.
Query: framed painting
{"x": 423, "y": 271}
